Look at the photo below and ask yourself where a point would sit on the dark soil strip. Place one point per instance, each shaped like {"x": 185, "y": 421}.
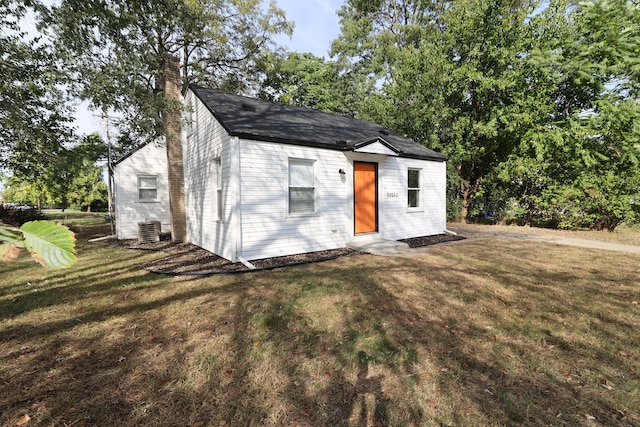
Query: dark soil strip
{"x": 190, "y": 260}
{"x": 418, "y": 242}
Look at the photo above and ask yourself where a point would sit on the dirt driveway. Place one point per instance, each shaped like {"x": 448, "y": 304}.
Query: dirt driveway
{"x": 472, "y": 231}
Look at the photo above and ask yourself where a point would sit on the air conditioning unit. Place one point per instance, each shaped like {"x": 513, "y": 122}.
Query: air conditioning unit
{"x": 149, "y": 232}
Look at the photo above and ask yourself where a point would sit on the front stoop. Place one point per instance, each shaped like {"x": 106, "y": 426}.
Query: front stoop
{"x": 380, "y": 247}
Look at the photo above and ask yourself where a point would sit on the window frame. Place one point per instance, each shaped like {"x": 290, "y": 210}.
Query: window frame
{"x": 417, "y": 190}
{"x": 187, "y": 120}
{"x": 141, "y": 187}
{"x": 218, "y": 173}
{"x": 312, "y": 164}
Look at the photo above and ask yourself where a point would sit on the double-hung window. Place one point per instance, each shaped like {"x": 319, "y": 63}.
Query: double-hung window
{"x": 302, "y": 187}
{"x": 218, "y": 166}
{"x": 187, "y": 121}
{"x": 147, "y": 188}
{"x": 413, "y": 188}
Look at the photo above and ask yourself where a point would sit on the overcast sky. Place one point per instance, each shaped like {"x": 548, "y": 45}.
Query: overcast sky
{"x": 316, "y": 26}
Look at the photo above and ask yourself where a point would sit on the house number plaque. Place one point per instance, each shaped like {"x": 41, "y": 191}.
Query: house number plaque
{"x": 388, "y": 195}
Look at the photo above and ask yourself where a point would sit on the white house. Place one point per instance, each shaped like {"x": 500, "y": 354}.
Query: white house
{"x": 264, "y": 179}
{"x": 141, "y": 191}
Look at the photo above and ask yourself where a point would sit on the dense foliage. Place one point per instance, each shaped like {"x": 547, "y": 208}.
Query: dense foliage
{"x": 118, "y": 51}
{"x": 71, "y": 177}
{"x": 112, "y": 54}
{"x": 534, "y": 104}
{"x": 35, "y": 115}
{"x": 306, "y": 80}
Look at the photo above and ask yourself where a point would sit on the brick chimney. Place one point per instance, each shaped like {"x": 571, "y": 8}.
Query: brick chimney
{"x": 172, "y": 121}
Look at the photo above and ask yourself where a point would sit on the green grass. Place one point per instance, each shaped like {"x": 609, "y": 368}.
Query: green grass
{"x": 489, "y": 332}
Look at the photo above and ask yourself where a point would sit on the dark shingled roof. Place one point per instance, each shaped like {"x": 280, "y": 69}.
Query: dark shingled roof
{"x": 261, "y": 120}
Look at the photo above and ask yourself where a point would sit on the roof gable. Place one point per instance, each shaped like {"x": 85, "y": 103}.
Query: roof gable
{"x": 262, "y": 120}
{"x": 159, "y": 141}
{"x": 376, "y": 146}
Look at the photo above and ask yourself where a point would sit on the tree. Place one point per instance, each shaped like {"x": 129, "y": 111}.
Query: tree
{"x": 119, "y": 50}
{"x": 33, "y": 192}
{"x": 305, "y": 80}
{"x": 580, "y": 167}
{"x": 70, "y": 177}
{"x": 128, "y": 55}
{"x": 87, "y": 187}
{"x": 529, "y": 103}
{"x": 451, "y": 74}
{"x": 35, "y": 115}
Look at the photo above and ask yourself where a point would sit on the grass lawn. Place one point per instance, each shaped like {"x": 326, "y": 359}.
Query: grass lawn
{"x": 623, "y": 234}
{"x": 477, "y": 333}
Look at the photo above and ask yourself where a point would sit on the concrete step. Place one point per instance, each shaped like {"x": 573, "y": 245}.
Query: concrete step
{"x": 379, "y": 246}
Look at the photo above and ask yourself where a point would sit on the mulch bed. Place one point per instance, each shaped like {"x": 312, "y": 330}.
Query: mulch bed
{"x": 188, "y": 259}
{"x": 418, "y": 242}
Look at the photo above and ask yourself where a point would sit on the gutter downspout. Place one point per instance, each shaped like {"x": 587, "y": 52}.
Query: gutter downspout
{"x": 246, "y": 262}
{"x": 450, "y": 232}
{"x": 99, "y": 239}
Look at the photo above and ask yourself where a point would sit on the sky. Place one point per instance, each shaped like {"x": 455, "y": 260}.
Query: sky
{"x": 316, "y": 26}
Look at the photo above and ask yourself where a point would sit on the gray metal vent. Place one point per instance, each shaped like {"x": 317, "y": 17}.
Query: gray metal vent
{"x": 149, "y": 231}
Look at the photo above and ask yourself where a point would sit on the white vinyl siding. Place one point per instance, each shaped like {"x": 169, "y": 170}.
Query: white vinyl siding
{"x": 413, "y": 188}
{"x": 302, "y": 187}
{"x": 208, "y": 201}
{"x": 150, "y": 161}
{"x": 268, "y": 229}
{"x": 396, "y": 220}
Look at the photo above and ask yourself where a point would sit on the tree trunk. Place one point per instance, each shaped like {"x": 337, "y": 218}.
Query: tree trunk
{"x": 468, "y": 192}
{"x": 172, "y": 118}
{"x": 464, "y": 211}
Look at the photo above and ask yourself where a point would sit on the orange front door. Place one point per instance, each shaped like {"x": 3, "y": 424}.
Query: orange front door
{"x": 365, "y": 199}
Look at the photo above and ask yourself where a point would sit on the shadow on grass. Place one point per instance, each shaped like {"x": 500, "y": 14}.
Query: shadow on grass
{"x": 94, "y": 277}
{"x": 462, "y": 336}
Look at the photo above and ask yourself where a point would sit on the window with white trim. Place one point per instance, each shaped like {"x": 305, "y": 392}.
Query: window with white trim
{"x": 187, "y": 121}
{"x": 218, "y": 166}
{"x": 147, "y": 188}
{"x": 413, "y": 188}
{"x": 302, "y": 187}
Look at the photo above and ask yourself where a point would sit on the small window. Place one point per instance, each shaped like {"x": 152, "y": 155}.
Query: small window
{"x": 218, "y": 165}
{"x": 413, "y": 195}
{"x": 147, "y": 188}
{"x": 302, "y": 189}
{"x": 187, "y": 121}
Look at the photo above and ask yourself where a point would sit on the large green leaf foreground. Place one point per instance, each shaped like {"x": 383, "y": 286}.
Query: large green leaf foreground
{"x": 50, "y": 244}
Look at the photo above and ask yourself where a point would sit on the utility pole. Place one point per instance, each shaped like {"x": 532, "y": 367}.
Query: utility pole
{"x": 106, "y": 117}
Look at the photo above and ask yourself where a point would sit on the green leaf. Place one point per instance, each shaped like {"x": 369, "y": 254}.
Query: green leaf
{"x": 50, "y": 244}
{"x": 11, "y": 235}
